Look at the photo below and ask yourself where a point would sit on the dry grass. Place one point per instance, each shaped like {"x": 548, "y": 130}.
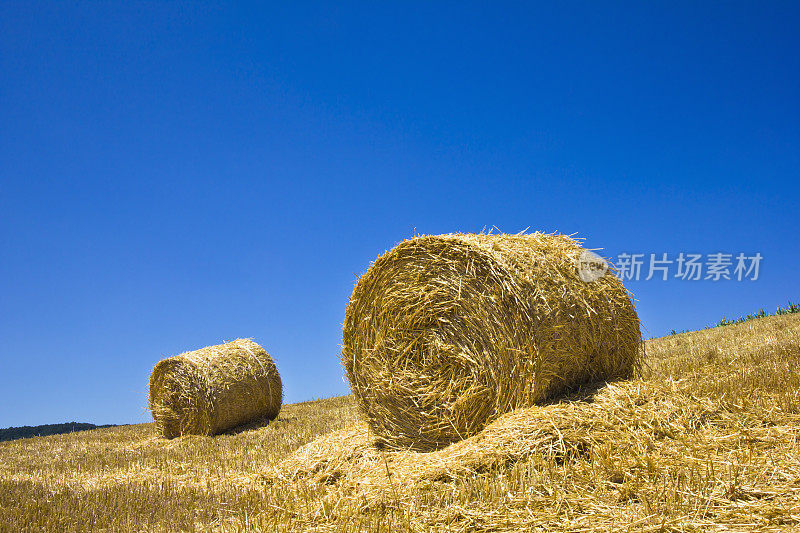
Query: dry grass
{"x": 706, "y": 438}
{"x": 445, "y": 333}
{"x": 214, "y": 389}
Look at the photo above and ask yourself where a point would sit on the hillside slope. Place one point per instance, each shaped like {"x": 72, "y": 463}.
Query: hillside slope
{"x": 707, "y": 437}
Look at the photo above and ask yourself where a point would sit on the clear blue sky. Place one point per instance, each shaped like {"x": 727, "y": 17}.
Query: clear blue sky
{"x": 176, "y": 175}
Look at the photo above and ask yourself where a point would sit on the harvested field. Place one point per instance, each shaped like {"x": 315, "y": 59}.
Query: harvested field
{"x": 706, "y": 437}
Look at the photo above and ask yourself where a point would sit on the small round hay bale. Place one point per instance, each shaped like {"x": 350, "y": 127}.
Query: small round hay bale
{"x": 214, "y": 389}
{"x": 445, "y": 333}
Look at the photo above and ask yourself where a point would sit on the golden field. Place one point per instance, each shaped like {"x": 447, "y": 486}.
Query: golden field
{"x": 705, "y": 438}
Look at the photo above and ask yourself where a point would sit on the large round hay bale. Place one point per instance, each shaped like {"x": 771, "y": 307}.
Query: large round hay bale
{"x": 445, "y": 333}
{"x": 214, "y": 389}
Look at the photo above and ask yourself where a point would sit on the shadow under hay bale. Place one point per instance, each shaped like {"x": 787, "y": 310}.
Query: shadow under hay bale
{"x": 215, "y": 389}
{"x": 445, "y": 333}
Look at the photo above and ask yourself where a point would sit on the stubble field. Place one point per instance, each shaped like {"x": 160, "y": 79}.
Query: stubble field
{"x": 705, "y": 438}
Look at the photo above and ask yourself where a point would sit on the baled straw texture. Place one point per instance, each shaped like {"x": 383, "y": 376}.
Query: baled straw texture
{"x": 214, "y": 389}
{"x": 443, "y": 334}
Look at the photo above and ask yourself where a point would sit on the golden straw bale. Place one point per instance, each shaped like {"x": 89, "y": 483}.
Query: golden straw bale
{"x": 214, "y": 389}
{"x": 445, "y": 333}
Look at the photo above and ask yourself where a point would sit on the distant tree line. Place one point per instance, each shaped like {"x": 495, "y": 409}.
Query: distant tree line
{"x": 46, "y": 429}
